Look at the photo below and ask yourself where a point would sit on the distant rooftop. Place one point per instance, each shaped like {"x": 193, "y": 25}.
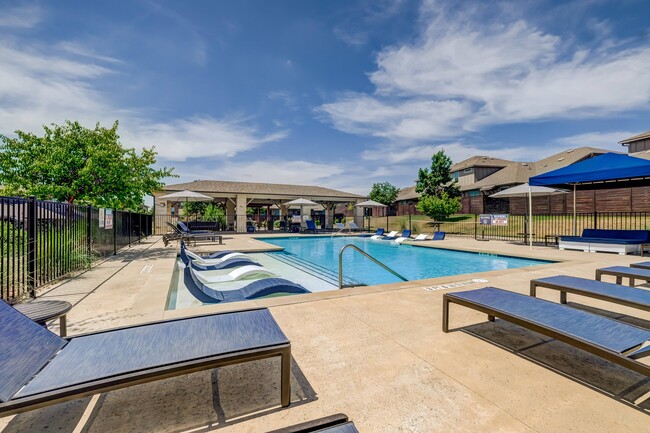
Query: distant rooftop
{"x": 642, "y": 136}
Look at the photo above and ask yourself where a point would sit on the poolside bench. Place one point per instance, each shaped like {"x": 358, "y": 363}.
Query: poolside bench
{"x": 621, "y": 272}
{"x": 610, "y": 292}
{"x": 600, "y": 240}
{"x": 609, "y": 339}
{"x": 39, "y": 368}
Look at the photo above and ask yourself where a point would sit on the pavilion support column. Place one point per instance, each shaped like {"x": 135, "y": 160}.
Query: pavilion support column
{"x": 329, "y": 215}
{"x": 241, "y": 213}
{"x": 358, "y": 215}
{"x": 230, "y": 213}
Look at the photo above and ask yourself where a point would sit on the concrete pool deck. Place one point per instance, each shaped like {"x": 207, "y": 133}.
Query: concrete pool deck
{"x": 376, "y": 353}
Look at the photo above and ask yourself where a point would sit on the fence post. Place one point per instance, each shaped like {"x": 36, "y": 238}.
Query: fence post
{"x": 129, "y": 228}
{"x": 31, "y": 246}
{"x": 89, "y": 215}
{"x": 409, "y": 219}
{"x": 595, "y": 219}
{"x": 139, "y": 226}
{"x": 475, "y": 226}
{"x": 114, "y": 231}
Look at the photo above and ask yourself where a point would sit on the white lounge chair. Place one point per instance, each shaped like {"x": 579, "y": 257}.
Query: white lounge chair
{"x": 207, "y": 261}
{"x": 391, "y": 235}
{"x": 421, "y": 237}
{"x": 353, "y": 227}
{"x": 242, "y": 273}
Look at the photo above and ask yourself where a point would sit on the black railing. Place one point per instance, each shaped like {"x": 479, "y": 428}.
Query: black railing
{"x": 42, "y": 241}
{"x": 545, "y": 228}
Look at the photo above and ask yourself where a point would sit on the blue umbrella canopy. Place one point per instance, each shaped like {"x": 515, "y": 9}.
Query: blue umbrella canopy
{"x": 608, "y": 166}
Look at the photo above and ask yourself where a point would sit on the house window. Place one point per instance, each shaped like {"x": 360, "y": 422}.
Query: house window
{"x": 455, "y": 175}
{"x": 473, "y": 193}
{"x": 467, "y": 170}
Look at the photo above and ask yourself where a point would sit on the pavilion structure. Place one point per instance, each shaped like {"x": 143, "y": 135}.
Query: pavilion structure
{"x": 236, "y": 197}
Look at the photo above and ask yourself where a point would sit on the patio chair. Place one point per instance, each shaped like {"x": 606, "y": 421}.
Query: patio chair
{"x": 439, "y": 236}
{"x": 630, "y": 296}
{"x": 237, "y": 291}
{"x": 391, "y": 235}
{"x": 178, "y": 234}
{"x": 241, "y": 273}
{"x": 609, "y": 339}
{"x": 406, "y": 234}
{"x": 185, "y": 229}
{"x": 421, "y": 237}
{"x": 338, "y": 423}
{"x": 39, "y": 368}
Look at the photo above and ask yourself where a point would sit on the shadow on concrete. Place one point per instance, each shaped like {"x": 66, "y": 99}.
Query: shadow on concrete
{"x": 197, "y": 402}
{"x": 610, "y": 379}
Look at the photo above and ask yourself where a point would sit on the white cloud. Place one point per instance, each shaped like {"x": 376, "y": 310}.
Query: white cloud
{"x": 198, "y": 137}
{"x": 38, "y": 87}
{"x": 604, "y": 140}
{"x": 490, "y": 72}
{"x": 21, "y": 17}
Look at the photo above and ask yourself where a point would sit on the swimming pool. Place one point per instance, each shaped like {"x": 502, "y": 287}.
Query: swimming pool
{"x": 413, "y": 262}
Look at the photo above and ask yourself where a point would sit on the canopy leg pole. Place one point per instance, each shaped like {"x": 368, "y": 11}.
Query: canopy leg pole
{"x": 575, "y": 220}
{"x": 530, "y": 216}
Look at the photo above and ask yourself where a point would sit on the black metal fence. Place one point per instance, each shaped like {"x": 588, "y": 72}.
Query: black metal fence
{"x": 545, "y": 228}
{"x": 42, "y": 241}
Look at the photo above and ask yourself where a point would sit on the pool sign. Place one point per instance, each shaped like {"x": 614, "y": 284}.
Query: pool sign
{"x": 485, "y": 219}
{"x": 101, "y": 217}
{"x": 500, "y": 219}
{"x": 108, "y": 219}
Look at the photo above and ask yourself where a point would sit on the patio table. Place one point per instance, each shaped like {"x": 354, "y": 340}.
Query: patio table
{"x": 44, "y": 310}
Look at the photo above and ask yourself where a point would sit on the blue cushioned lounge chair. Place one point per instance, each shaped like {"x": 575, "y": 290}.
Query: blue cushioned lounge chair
{"x": 252, "y": 290}
{"x": 178, "y": 234}
{"x": 39, "y": 368}
{"x": 406, "y": 234}
{"x": 609, "y": 339}
{"x": 311, "y": 226}
{"x": 439, "y": 236}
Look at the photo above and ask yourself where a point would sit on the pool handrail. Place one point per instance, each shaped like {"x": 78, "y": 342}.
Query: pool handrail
{"x": 367, "y": 255}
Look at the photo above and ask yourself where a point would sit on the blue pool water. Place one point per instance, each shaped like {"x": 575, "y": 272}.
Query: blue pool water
{"x": 414, "y": 263}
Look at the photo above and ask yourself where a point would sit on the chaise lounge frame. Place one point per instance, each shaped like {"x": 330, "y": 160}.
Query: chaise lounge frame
{"x": 624, "y": 359}
{"x": 178, "y": 234}
{"x": 22, "y": 404}
{"x": 609, "y": 292}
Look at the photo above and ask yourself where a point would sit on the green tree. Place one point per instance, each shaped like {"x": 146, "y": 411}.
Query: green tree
{"x": 72, "y": 163}
{"x": 384, "y": 193}
{"x": 439, "y": 207}
{"x": 433, "y": 181}
{"x": 214, "y": 212}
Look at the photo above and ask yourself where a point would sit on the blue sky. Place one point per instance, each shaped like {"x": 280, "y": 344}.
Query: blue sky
{"x": 340, "y": 94}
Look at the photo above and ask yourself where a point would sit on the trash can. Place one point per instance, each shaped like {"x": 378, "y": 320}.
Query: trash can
{"x": 250, "y": 229}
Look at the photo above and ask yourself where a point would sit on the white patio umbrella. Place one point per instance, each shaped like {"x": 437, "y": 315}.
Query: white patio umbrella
{"x": 524, "y": 190}
{"x": 301, "y": 202}
{"x": 187, "y": 195}
{"x": 372, "y": 203}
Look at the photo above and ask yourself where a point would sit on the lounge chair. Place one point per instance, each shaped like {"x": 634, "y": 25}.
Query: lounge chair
{"x": 630, "y": 296}
{"x": 311, "y": 226}
{"x": 248, "y": 272}
{"x": 621, "y": 272}
{"x": 438, "y": 236}
{"x": 219, "y": 258}
{"x": 421, "y": 237}
{"x": 353, "y": 227}
{"x": 338, "y": 423}
{"x": 391, "y": 235}
{"x": 252, "y": 290}
{"x": 642, "y": 265}
{"x": 406, "y": 234}
{"x": 609, "y": 339}
{"x": 39, "y": 368}
{"x": 185, "y": 229}
{"x": 232, "y": 262}
{"x": 604, "y": 240}
{"x": 178, "y": 234}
